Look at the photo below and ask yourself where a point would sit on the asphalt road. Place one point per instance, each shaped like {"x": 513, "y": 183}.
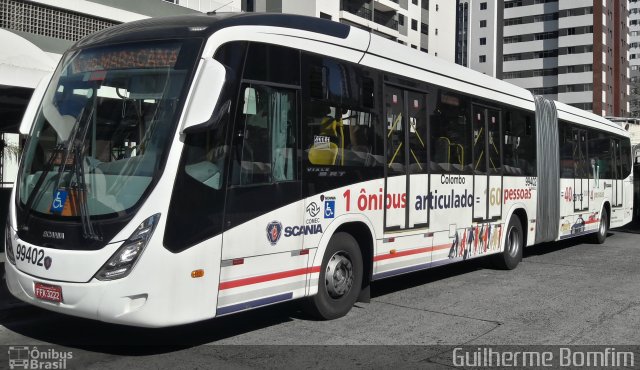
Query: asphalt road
{"x": 563, "y": 293}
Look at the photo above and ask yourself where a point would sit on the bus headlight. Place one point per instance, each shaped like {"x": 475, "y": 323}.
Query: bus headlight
{"x": 125, "y": 258}
{"x": 8, "y": 245}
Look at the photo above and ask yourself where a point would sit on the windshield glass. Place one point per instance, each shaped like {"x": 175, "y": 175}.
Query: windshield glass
{"x": 104, "y": 126}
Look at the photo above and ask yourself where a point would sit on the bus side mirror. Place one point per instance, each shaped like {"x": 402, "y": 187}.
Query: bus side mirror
{"x": 200, "y": 113}
{"x": 34, "y": 104}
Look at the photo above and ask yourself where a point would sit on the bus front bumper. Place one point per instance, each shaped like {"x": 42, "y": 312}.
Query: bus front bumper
{"x": 105, "y": 301}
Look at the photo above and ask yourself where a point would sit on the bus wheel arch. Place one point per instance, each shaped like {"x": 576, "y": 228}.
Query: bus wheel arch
{"x": 352, "y": 241}
{"x": 364, "y": 238}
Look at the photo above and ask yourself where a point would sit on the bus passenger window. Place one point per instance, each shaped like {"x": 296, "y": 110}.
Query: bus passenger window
{"x": 265, "y": 139}
{"x": 519, "y": 144}
{"x": 600, "y": 160}
{"x": 567, "y": 162}
{"x": 450, "y": 132}
{"x": 339, "y": 136}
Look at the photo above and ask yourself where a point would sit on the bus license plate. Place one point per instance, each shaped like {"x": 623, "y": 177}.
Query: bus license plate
{"x": 46, "y": 292}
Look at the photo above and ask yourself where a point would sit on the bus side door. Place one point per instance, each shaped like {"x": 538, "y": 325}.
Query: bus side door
{"x": 581, "y": 173}
{"x": 487, "y": 163}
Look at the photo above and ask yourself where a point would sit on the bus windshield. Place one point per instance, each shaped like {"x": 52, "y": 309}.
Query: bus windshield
{"x": 104, "y": 126}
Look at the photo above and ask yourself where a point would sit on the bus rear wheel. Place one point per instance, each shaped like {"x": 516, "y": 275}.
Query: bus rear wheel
{"x": 603, "y": 229}
{"x": 340, "y": 279}
{"x": 514, "y": 243}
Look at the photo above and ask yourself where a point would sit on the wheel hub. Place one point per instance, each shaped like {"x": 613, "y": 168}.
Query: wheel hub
{"x": 339, "y": 275}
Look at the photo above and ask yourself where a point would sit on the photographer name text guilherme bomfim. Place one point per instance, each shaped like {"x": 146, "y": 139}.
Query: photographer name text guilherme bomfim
{"x": 558, "y": 357}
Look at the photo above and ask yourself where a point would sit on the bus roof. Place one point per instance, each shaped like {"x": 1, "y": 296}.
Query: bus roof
{"x": 573, "y": 114}
{"x": 203, "y": 25}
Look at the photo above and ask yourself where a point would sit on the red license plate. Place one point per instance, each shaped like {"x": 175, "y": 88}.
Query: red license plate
{"x": 46, "y": 292}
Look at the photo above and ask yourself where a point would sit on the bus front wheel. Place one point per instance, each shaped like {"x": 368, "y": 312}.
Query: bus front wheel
{"x": 513, "y": 245}
{"x": 340, "y": 278}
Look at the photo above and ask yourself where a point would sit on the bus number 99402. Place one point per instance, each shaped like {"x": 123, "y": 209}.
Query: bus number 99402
{"x": 531, "y": 182}
{"x": 30, "y": 254}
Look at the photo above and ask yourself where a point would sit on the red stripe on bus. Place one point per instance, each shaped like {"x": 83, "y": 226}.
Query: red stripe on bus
{"x": 410, "y": 252}
{"x": 269, "y": 277}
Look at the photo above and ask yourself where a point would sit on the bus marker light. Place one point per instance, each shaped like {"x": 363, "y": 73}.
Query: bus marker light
{"x": 304, "y": 252}
{"x": 393, "y": 251}
{"x": 237, "y": 261}
{"x": 389, "y": 240}
{"x": 197, "y": 273}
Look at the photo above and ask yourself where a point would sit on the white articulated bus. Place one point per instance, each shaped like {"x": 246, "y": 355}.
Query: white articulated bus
{"x": 180, "y": 169}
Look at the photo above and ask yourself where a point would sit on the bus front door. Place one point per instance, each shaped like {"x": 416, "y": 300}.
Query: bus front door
{"x": 407, "y": 165}
{"x": 487, "y": 164}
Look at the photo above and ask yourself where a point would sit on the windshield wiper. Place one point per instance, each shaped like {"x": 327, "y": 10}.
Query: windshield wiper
{"x": 77, "y": 169}
{"x": 72, "y": 147}
{"x": 57, "y": 150}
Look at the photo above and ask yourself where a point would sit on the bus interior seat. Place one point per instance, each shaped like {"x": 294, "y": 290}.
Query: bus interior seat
{"x": 323, "y": 155}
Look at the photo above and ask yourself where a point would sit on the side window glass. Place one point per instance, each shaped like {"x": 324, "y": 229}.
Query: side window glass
{"x": 265, "y": 140}
{"x": 205, "y": 153}
{"x": 450, "y": 133}
{"x": 599, "y": 147}
{"x": 567, "y": 162}
{"x": 519, "y": 144}
{"x": 276, "y": 64}
{"x": 340, "y": 126}
{"x": 205, "y": 158}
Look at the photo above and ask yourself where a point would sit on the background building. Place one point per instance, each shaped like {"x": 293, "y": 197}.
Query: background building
{"x": 573, "y": 51}
{"x": 427, "y": 25}
{"x": 634, "y": 57}
{"x": 479, "y": 35}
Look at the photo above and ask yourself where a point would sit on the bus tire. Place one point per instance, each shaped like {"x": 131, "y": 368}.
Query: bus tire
{"x": 600, "y": 236}
{"x": 340, "y": 278}
{"x": 513, "y": 246}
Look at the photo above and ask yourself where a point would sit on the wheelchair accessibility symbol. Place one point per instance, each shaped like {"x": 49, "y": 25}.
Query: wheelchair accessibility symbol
{"x": 329, "y": 208}
{"x": 59, "y": 199}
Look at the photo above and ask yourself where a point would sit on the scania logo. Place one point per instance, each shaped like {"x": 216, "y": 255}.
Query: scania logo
{"x": 274, "y": 231}
{"x": 53, "y": 235}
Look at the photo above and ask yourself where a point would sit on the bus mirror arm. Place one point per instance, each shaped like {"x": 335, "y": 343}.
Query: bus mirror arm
{"x": 209, "y": 87}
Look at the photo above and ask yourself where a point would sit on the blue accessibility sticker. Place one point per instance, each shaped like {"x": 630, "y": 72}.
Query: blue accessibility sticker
{"x": 329, "y": 209}
{"x": 59, "y": 199}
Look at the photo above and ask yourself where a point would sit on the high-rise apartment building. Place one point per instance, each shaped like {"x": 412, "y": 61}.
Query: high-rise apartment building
{"x": 634, "y": 57}
{"x": 573, "y": 51}
{"x": 427, "y": 25}
{"x": 479, "y": 34}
